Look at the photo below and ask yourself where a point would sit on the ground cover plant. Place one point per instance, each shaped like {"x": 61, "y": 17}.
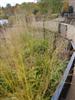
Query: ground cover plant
{"x": 30, "y": 66}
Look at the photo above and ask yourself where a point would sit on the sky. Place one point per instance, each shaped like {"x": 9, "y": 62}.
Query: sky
{"x": 13, "y": 2}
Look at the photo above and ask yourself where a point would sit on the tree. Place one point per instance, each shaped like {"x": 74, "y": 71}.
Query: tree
{"x": 8, "y": 10}
{"x": 8, "y": 6}
{"x": 54, "y": 5}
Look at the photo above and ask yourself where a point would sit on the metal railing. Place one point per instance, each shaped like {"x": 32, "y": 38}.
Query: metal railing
{"x": 62, "y": 89}
{"x": 63, "y": 86}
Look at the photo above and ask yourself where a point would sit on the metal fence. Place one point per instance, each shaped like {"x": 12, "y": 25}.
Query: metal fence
{"x": 62, "y": 89}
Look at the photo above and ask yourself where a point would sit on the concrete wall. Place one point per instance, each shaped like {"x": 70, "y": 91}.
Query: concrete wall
{"x": 71, "y": 32}
{"x": 68, "y": 33}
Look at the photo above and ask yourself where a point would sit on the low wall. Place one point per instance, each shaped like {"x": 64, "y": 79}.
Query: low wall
{"x": 67, "y": 31}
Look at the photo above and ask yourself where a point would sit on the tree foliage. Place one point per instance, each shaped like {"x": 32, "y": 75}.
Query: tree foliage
{"x": 8, "y": 5}
{"x": 54, "y": 5}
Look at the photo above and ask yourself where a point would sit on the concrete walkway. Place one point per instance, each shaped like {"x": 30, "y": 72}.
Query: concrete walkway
{"x": 71, "y": 92}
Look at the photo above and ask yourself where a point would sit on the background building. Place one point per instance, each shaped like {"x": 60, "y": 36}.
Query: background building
{"x": 72, "y": 3}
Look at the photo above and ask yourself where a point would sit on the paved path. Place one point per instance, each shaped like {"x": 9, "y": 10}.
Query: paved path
{"x": 71, "y": 92}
